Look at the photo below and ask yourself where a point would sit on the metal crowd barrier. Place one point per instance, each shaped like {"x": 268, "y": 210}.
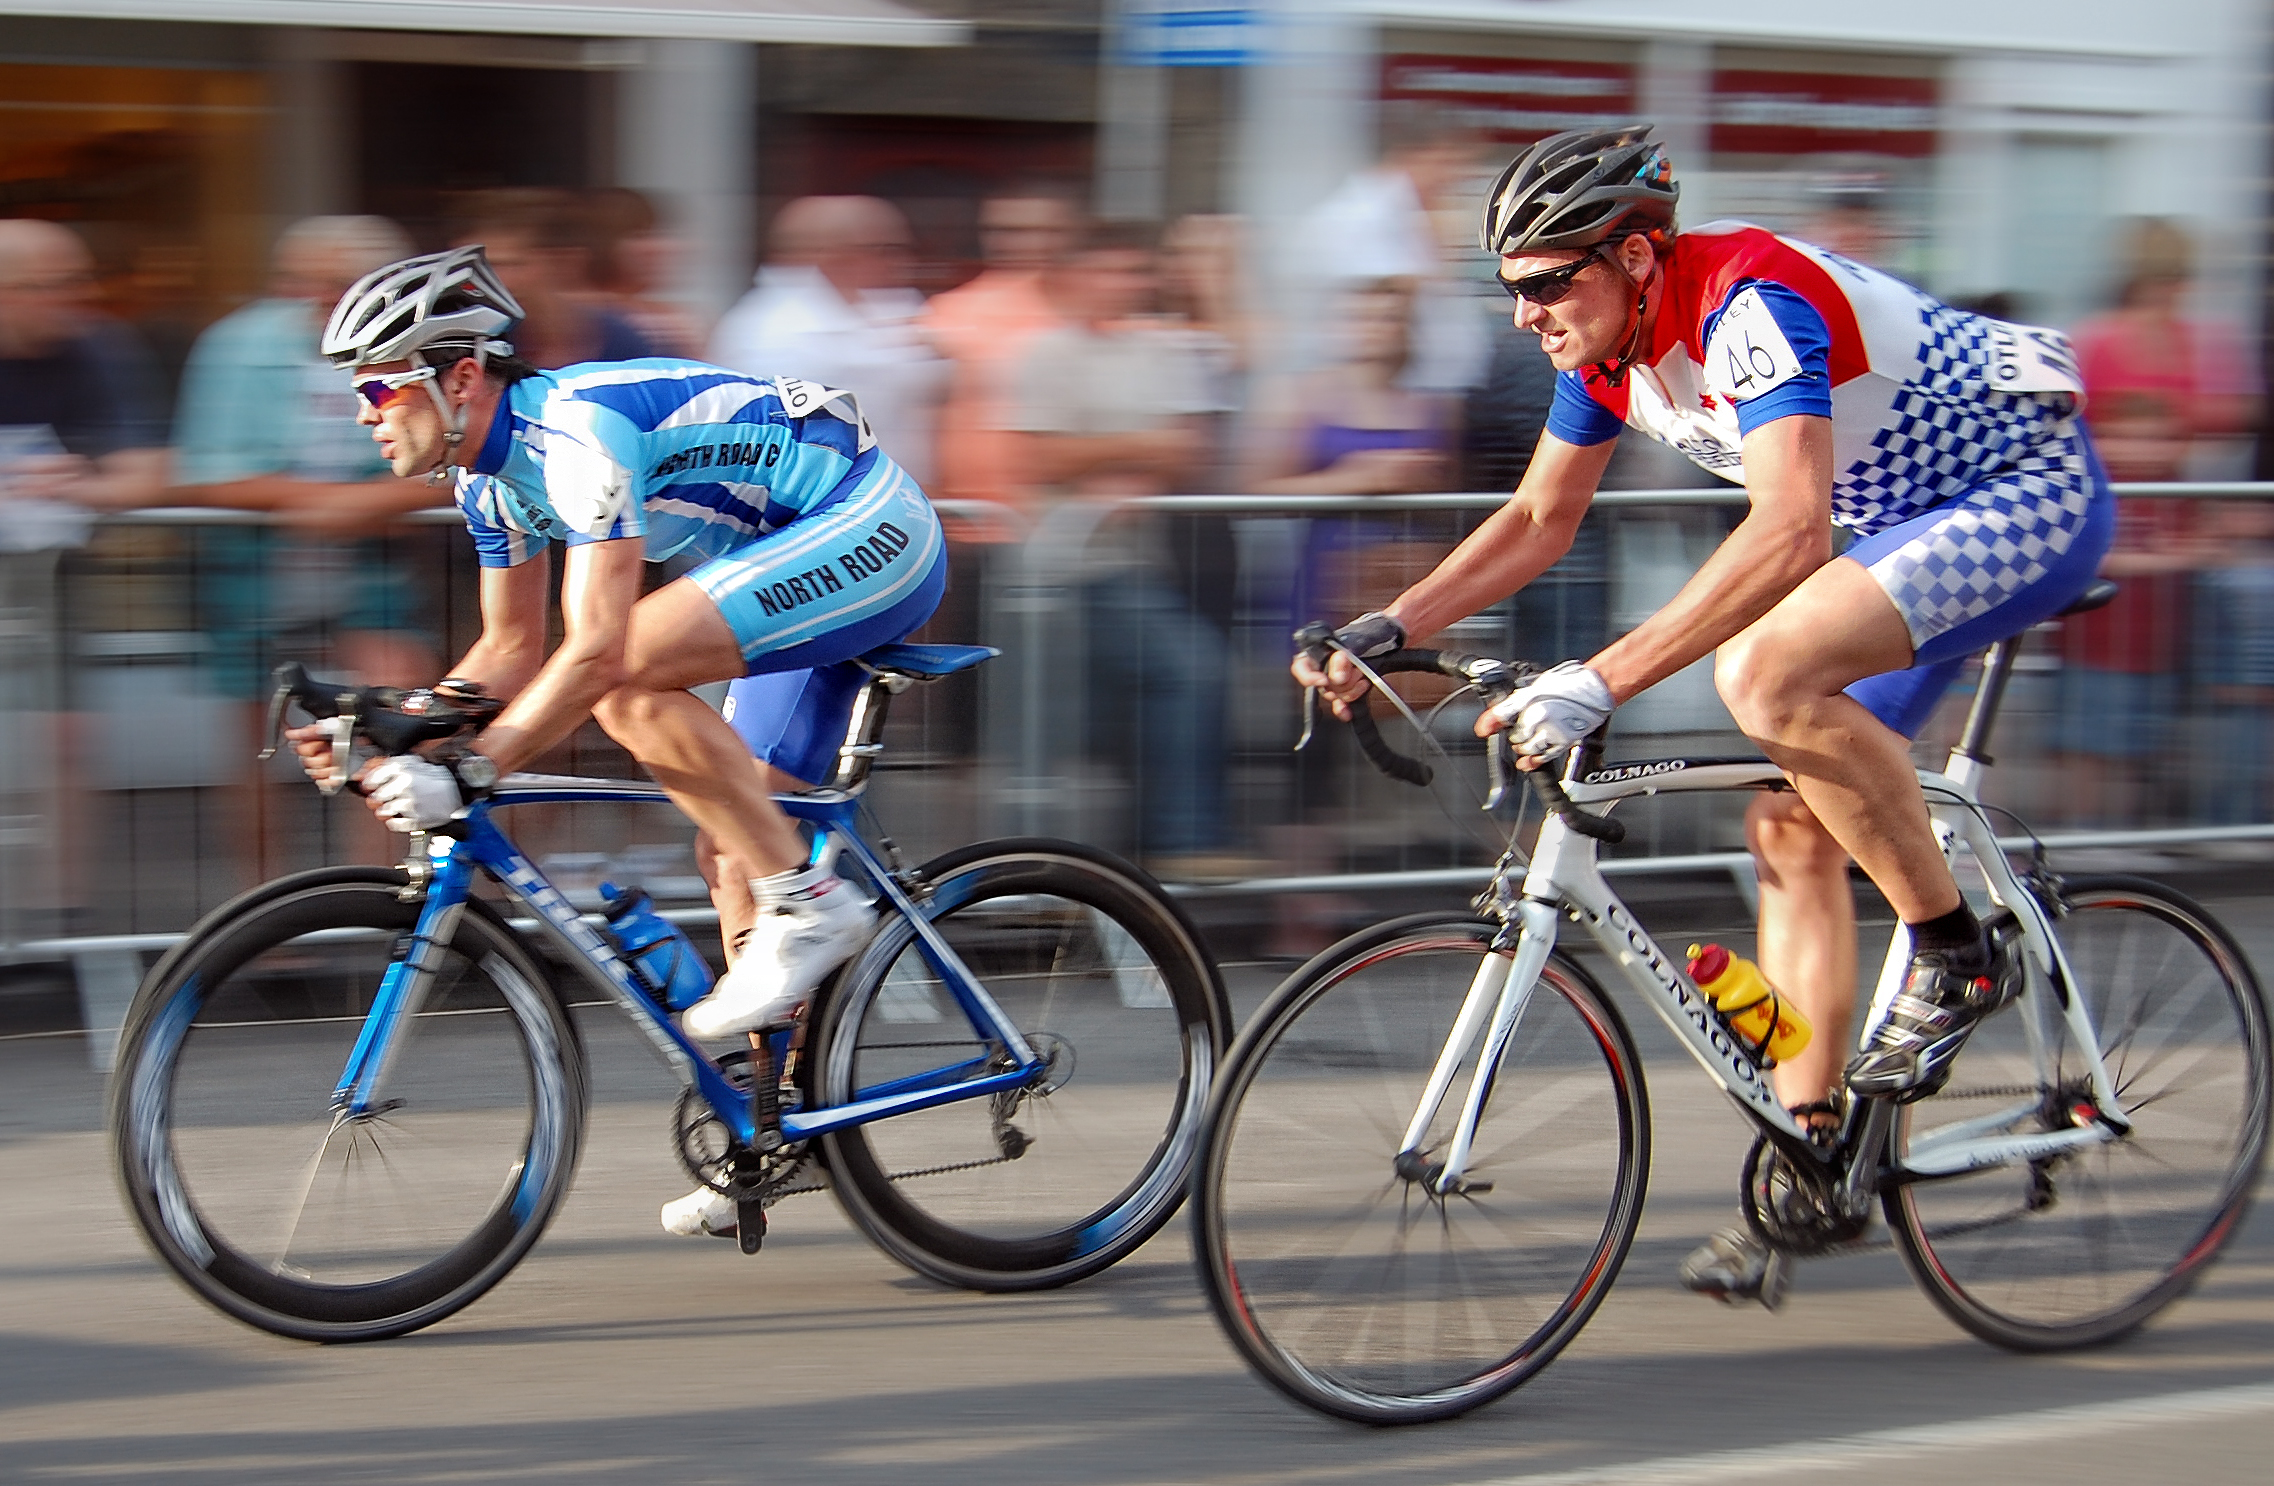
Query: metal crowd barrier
{"x": 129, "y": 805}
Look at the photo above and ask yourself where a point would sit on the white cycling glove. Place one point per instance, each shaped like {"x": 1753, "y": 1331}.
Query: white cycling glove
{"x": 411, "y": 794}
{"x": 1560, "y": 707}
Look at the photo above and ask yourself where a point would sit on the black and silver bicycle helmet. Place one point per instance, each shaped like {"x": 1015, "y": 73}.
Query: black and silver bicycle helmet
{"x": 1579, "y": 189}
{"x": 430, "y": 310}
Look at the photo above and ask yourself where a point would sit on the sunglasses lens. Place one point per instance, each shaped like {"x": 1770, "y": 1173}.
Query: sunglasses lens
{"x": 1542, "y": 288}
{"x": 375, "y": 393}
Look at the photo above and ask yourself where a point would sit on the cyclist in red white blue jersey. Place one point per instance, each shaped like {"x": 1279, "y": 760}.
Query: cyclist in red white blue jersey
{"x": 1950, "y": 449}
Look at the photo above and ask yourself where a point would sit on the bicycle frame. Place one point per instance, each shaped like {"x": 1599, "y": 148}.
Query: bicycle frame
{"x": 1565, "y": 877}
{"x": 447, "y": 861}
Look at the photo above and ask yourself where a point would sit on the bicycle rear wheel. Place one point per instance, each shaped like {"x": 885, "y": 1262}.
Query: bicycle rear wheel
{"x": 2084, "y": 1247}
{"x": 272, "y": 1208}
{"x": 1354, "y": 1290}
{"x": 1104, "y": 977}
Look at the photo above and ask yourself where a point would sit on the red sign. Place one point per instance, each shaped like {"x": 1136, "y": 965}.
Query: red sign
{"x": 1514, "y": 100}
{"x": 1800, "y": 113}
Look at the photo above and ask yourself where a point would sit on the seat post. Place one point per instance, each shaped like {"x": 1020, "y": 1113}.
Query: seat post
{"x": 1997, "y": 669}
{"x": 864, "y": 730}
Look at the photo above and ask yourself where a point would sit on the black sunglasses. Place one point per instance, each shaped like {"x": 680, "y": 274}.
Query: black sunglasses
{"x": 1545, "y": 288}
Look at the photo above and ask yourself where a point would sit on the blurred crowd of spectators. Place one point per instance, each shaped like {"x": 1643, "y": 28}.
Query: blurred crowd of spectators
{"x": 1084, "y": 363}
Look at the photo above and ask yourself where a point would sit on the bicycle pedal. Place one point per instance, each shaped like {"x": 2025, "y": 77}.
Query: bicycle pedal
{"x": 750, "y": 1226}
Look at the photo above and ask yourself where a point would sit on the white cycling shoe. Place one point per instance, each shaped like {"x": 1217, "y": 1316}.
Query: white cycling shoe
{"x": 702, "y": 1213}
{"x": 789, "y": 951}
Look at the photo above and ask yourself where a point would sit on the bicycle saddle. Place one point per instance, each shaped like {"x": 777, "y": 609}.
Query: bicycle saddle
{"x": 927, "y": 661}
{"x": 2096, "y": 595}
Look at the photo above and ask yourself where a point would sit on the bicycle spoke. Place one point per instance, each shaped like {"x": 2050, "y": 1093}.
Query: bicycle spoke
{"x": 1362, "y": 1297}
{"x": 2117, "y": 1229}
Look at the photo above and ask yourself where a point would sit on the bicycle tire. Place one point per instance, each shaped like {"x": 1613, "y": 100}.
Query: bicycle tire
{"x": 1098, "y": 968}
{"x": 225, "y": 1144}
{"x": 1305, "y": 1127}
{"x": 2087, "y": 1246}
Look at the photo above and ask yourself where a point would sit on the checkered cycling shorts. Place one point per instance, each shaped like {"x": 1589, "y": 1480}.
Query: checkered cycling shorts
{"x": 2022, "y": 531}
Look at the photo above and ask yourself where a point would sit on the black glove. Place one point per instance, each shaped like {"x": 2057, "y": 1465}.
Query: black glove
{"x": 1370, "y": 635}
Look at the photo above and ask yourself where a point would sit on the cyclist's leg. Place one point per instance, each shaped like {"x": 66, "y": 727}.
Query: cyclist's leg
{"x": 1807, "y": 937}
{"x": 801, "y": 602}
{"x": 1808, "y": 952}
{"x": 762, "y": 608}
{"x": 1990, "y": 564}
{"x": 791, "y": 724}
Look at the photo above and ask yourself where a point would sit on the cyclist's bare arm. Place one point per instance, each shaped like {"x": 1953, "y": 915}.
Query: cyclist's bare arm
{"x": 1785, "y": 536}
{"x": 600, "y": 581}
{"x": 512, "y": 645}
{"x": 509, "y": 659}
{"x": 1513, "y": 545}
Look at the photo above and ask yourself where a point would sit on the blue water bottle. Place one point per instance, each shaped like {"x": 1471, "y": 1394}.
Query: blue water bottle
{"x": 665, "y": 960}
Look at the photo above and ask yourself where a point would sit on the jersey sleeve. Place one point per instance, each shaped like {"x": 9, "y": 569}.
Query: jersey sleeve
{"x": 1767, "y": 352}
{"x": 597, "y": 495}
{"x": 496, "y": 545}
{"x": 1576, "y": 418}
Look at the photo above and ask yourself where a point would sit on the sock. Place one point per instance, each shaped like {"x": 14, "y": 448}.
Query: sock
{"x": 796, "y": 887}
{"x": 1956, "y": 934}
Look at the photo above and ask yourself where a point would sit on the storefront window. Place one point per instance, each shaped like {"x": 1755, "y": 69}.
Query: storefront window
{"x": 160, "y": 169}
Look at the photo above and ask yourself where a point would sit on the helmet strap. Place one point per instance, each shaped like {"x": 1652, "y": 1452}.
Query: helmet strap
{"x": 1614, "y": 369}
{"x": 453, "y": 418}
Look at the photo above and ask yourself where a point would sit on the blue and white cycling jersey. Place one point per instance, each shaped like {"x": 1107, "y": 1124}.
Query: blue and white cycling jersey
{"x": 691, "y": 457}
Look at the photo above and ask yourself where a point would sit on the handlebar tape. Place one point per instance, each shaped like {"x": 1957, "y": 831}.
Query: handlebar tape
{"x": 1496, "y": 679}
{"x": 1378, "y": 751}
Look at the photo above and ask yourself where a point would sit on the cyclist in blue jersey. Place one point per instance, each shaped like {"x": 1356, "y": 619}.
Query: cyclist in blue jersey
{"x": 1948, "y": 445}
{"x": 816, "y": 548}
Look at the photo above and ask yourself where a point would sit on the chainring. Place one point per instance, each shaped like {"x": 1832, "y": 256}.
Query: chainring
{"x": 1792, "y": 1207}
{"x": 707, "y": 1149}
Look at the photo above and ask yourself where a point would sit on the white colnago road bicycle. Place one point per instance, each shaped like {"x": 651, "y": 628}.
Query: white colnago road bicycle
{"x": 1425, "y": 1160}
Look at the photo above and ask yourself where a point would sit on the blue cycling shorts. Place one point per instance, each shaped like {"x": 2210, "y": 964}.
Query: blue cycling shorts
{"x": 863, "y": 570}
{"x": 2010, "y": 553}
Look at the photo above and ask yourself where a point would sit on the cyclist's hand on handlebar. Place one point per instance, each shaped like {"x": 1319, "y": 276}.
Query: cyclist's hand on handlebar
{"x": 323, "y": 754}
{"x": 1560, "y": 707}
{"x": 410, "y": 793}
{"x": 1338, "y": 680}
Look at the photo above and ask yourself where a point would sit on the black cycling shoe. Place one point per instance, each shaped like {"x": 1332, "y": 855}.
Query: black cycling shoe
{"x": 1910, "y": 1054}
{"x": 1734, "y": 1266}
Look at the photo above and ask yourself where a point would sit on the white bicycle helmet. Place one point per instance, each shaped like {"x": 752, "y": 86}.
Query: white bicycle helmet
{"x": 448, "y": 302}
{"x": 1579, "y": 189}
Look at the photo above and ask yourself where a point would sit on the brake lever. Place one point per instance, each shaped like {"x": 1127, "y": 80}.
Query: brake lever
{"x": 272, "y": 731}
{"x": 342, "y": 730}
{"x": 1315, "y": 640}
{"x": 1496, "y": 766}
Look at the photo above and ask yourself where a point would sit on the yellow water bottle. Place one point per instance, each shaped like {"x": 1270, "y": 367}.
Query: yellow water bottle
{"x": 1748, "y": 1003}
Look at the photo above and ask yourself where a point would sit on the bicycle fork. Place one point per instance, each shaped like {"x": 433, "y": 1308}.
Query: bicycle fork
{"x": 1501, "y": 989}
{"x": 402, "y": 993}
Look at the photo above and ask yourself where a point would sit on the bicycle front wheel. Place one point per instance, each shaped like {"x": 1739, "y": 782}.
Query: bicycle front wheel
{"x": 1108, "y": 981}
{"x": 1357, "y": 1290}
{"x": 275, "y": 1208}
{"x": 2085, "y": 1246}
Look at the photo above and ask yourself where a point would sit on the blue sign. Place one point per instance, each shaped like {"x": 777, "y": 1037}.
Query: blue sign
{"x": 1189, "y": 38}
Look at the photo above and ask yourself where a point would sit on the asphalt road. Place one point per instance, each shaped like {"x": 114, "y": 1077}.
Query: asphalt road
{"x": 616, "y": 1353}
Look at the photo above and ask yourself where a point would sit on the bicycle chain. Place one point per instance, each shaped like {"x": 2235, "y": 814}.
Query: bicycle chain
{"x": 899, "y": 1176}
{"x": 1955, "y": 1230}
{"x": 1993, "y": 1091}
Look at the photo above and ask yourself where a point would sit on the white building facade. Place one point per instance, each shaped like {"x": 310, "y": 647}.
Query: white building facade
{"x": 2000, "y": 144}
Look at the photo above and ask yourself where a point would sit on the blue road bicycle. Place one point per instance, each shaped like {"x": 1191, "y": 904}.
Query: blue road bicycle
{"x": 350, "y": 1101}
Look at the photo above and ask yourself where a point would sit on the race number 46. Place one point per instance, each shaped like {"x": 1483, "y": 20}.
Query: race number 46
{"x": 1748, "y": 353}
